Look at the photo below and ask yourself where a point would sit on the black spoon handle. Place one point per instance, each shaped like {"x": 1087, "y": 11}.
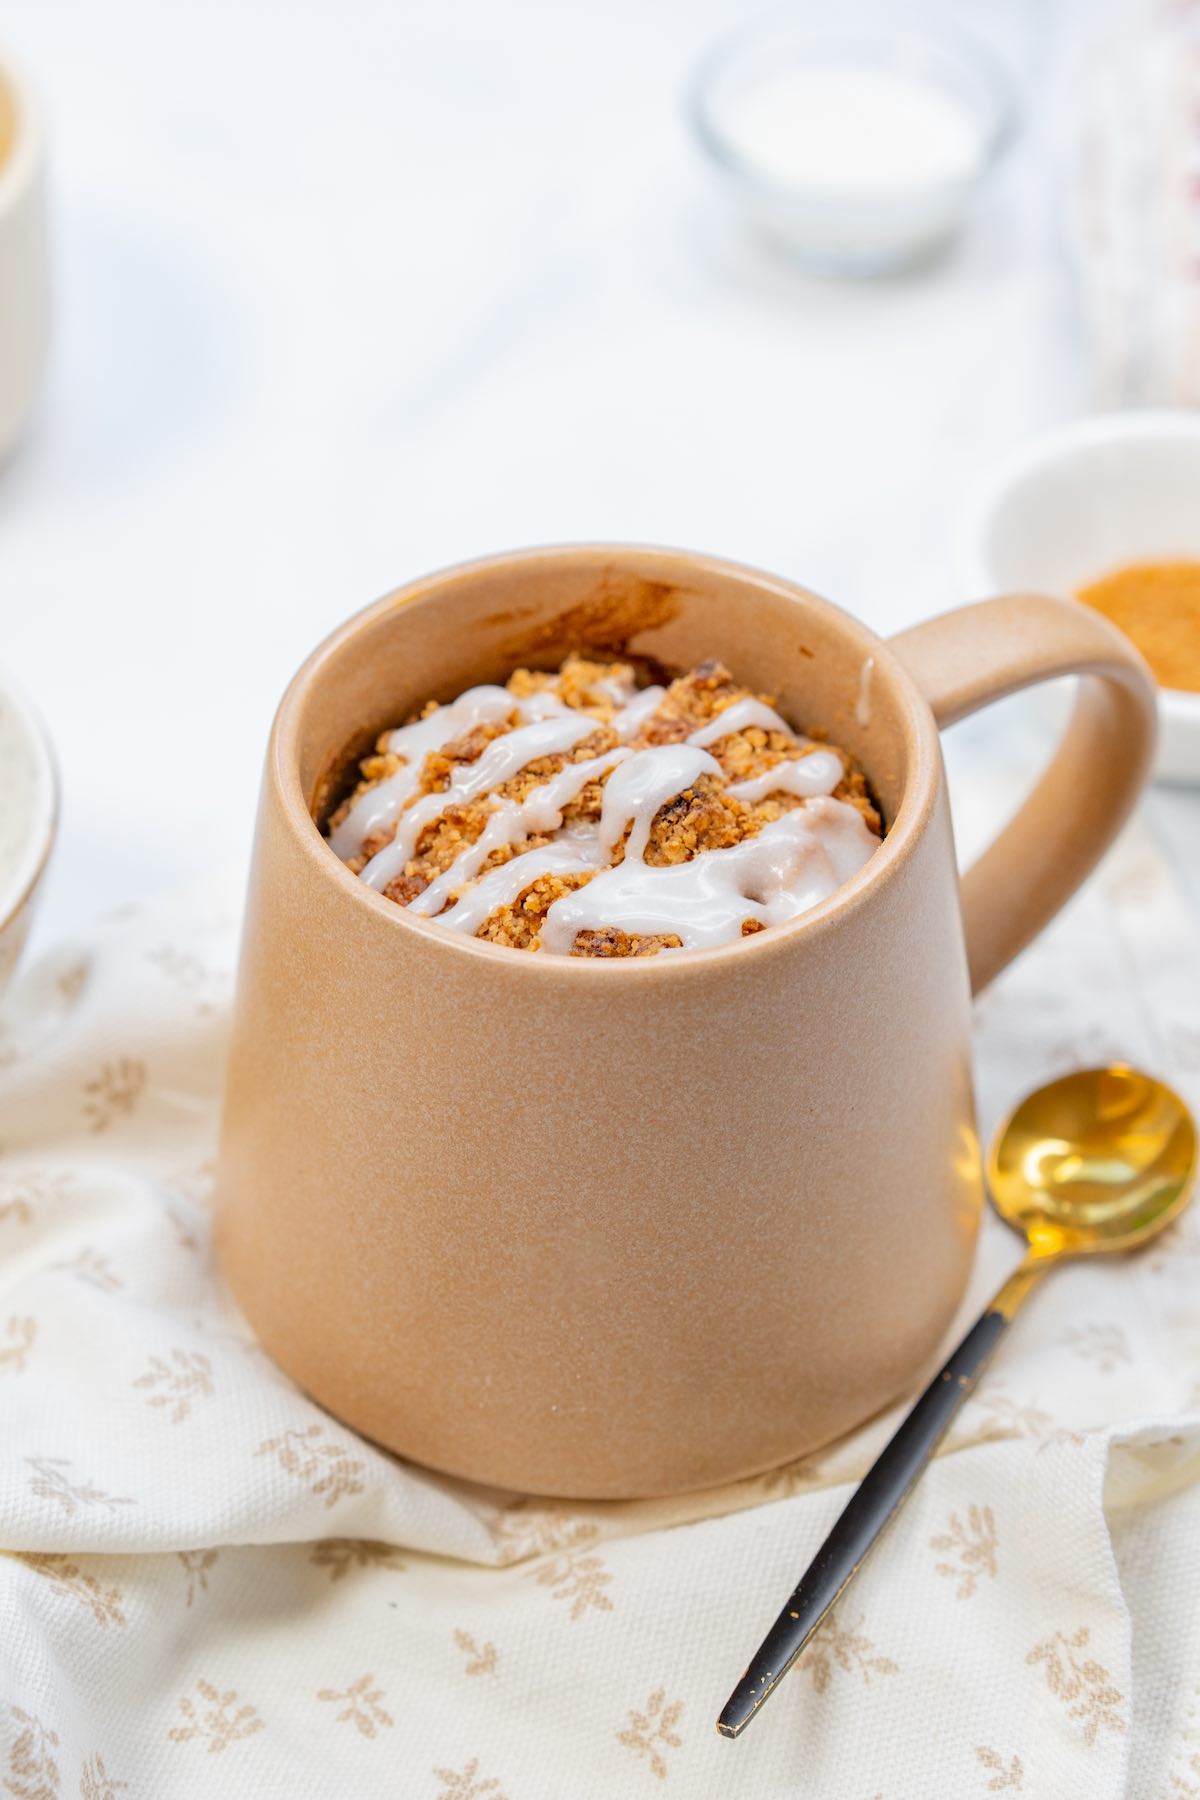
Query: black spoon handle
{"x": 874, "y": 1504}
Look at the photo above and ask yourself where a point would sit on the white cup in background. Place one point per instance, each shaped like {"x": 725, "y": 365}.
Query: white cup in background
{"x": 1077, "y": 503}
{"x": 24, "y": 280}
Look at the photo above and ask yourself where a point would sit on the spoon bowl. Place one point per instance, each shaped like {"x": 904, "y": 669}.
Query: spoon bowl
{"x": 1100, "y": 1161}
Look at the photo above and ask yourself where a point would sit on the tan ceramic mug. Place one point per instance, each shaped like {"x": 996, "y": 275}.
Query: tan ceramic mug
{"x": 585, "y": 1227}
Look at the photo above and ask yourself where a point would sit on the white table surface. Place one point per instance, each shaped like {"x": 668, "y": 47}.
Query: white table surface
{"x": 346, "y": 292}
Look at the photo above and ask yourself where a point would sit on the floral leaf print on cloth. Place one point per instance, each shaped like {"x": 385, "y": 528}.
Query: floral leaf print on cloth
{"x": 90, "y": 1266}
{"x": 196, "y": 1565}
{"x": 842, "y": 1647}
{"x": 71, "y": 981}
{"x": 180, "y": 1226}
{"x": 25, "y": 1193}
{"x": 579, "y": 1580}
{"x": 14, "y": 1205}
{"x": 51, "y": 1482}
{"x": 1184, "y": 1776}
{"x": 1006, "y": 1777}
{"x": 177, "y": 1380}
{"x": 215, "y": 1719}
{"x": 95, "y": 1782}
{"x": 340, "y": 1555}
{"x": 653, "y": 1731}
{"x": 467, "y": 1784}
{"x": 362, "y": 1707}
{"x": 66, "y": 1577}
{"x": 1082, "y": 1684}
{"x": 1186, "y": 1786}
{"x": 194, "y": 1183}
{"x": 32, "y": 1772}
{"x": 20, "y": 1334}
{"x": 113, "y": 1093}
{"x": 193, "y": 977}
{"x": 1002, "y": 1417}
{"x": 521, "y": 1531}
{"x": 481, "y": 1659}
{"x": 970, "y": 1549}
{"x": 1105, "y": 1346}
{"x": 317, "y": 1459}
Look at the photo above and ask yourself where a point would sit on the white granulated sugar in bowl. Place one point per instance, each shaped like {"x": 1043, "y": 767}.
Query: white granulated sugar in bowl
{"x": 853, "y": 130}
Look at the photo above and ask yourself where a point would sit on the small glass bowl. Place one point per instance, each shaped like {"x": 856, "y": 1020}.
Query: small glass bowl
{"x": 860, "y": 227}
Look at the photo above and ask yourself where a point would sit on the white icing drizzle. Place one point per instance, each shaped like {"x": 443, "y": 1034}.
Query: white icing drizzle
{"x": 633, "y": 715}
{"x": 618, "y": 691}
{"x": 643, "y": 784}
{"x": 376, "y": 809}
{"x": 478, "y": 706}
{"x": 862, "y": 706}
{"x": 817, "y": 773}
{"x": 500, "y": 887}
{"x": 790, "y": 865}
{"x": 504, "y": 757}
{"x": 544, "y": 704}
{"x": 739, "y": 717}
{"x": 847, "y": 838}
{"x": 540, "y": 813}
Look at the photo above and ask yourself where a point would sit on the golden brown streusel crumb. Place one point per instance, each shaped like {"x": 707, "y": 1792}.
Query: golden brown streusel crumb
{"x": 579, "y": 684}
{"x": 695, "y": 700}
{"x": 854, "y": 791}
{"x": 524, "y": 682}
{"x": 703, "y": 818}
{"x": 586, "y": 685}
{"x": 518, "y": 925}
{"x": 535, "y": 773}
{"x": 608, "y": 941}
{"x": 662, "y": 728}
{"x": 440, "y": 764}
{"x": 404, "y": 888}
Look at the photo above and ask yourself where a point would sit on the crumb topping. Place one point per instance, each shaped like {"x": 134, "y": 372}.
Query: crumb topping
{"x": 444, "y": 858}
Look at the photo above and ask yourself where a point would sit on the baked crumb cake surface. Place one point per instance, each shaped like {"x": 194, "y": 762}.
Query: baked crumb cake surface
{"x": 576, "y": 813}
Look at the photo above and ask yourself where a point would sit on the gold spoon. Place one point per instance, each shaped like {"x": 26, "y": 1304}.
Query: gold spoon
{"x": 1101, "y": 1161}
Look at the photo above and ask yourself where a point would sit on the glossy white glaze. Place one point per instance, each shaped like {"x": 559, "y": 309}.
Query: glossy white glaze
{"x": 790, "y": 865}
{"x": 806, "y": 777}
{"x": 741, "y": 716}
{"x": 642, "y": 785}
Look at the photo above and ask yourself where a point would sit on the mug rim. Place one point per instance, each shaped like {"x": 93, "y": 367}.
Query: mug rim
{"x": 19, "y": 168}
{"x": 922, "y": 770}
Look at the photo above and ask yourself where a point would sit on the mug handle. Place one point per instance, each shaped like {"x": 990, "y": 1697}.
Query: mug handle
{"x": 967, "y": 658}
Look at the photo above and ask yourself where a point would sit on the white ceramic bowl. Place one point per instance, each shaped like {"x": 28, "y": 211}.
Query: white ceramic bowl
{"x": 1077, "y": 503}
{"x": 847, "y": 223}
{"x": 24, "y": 279}
{"x": 28, "y": 818}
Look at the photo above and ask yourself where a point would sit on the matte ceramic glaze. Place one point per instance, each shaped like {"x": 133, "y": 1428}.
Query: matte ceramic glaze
{"x": 28, "y": 819}
{"x": 1079, "y": 502}
{"x": 619, "y": 1228}
{"x": 24, "y": 274}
